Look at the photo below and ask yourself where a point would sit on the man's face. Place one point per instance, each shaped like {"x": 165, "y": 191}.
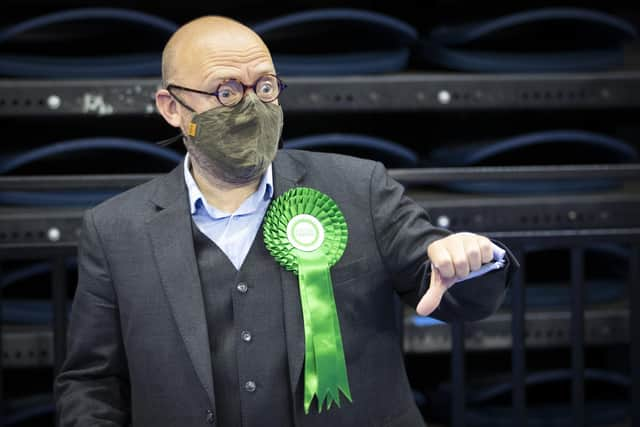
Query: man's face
{"x": 205, "y": 64}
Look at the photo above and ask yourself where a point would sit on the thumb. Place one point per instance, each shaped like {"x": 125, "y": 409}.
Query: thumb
{"x": 431, "y": 300}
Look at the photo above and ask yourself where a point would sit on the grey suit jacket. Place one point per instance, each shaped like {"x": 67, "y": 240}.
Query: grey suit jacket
{"x": 137, "y": 344}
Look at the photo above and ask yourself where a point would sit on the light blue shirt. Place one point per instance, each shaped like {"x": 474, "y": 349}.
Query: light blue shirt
{"x": 235, "y": 232}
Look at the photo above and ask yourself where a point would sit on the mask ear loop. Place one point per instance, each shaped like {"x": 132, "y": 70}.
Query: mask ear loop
{"x": 169, "y": 141}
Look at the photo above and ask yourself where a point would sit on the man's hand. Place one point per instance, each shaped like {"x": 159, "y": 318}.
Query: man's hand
{"x": 452, "y": 259}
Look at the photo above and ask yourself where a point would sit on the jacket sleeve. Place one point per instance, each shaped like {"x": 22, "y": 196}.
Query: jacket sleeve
{"x": 403, "y": 233}
{"x": 92, "y": 387}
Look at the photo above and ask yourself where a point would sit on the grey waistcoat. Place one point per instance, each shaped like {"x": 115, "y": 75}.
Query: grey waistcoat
{"x": 244, "y": 312}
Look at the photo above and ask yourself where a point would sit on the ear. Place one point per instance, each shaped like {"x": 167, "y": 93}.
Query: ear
{"x": 168, "y": 107}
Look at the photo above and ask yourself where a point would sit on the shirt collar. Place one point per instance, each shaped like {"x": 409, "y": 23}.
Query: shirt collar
{"x": 197, "y": 200}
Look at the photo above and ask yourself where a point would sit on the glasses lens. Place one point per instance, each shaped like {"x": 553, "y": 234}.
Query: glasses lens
{"x": 267, "y": 88}
{"x": 230, "y": 92}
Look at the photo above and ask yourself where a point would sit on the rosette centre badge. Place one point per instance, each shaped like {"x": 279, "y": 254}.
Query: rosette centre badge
{"x": 305, "y": 231}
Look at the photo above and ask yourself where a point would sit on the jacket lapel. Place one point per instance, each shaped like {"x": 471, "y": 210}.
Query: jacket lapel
{"x": 287, "y": 174}
{"x": 169, "y": 230}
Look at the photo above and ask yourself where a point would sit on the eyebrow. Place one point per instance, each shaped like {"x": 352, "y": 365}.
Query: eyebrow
{"x": 259, "y": 71}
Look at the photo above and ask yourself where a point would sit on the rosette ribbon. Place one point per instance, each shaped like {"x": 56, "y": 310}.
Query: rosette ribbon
{"x": 305, "y": 231}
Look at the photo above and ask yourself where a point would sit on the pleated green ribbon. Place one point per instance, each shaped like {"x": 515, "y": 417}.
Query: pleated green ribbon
{"x": 306, "y": 233}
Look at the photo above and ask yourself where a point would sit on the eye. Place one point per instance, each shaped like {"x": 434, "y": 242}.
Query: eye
{"x": 266, "y": 88}
{"x": 225, "y": 93}
{"x": 229, "y": 90}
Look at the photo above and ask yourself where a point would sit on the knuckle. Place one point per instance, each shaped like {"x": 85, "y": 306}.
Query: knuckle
{"x": 487, "y": 254}
{"x": 485, "y": 243}
{"x": 461, "y": 264}
{"x": 446, "y": 268}
{"x": 434, "y": 248}
{"x": 474, "y": 254}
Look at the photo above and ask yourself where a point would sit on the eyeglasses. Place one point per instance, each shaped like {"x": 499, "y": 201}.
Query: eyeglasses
{"x": 231, "y": 92}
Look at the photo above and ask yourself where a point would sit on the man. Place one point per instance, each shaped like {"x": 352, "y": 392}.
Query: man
{"x": 182, "y": 317}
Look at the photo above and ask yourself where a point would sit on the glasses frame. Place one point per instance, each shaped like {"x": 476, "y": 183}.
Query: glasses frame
{"x": 281, "y": 87}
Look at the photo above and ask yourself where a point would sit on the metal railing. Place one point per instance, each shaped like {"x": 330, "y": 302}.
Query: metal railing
{"x": 576, "y": 241}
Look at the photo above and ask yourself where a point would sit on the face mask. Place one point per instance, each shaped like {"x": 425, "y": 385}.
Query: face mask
{"x": 236, "y": 144}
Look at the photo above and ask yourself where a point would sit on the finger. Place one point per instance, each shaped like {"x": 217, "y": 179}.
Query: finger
{"x": 472, "y": 249}
{"x": 441, "y": 260}
{"x": 459, "y": 257}
{"x": 486, "y": 249}
{"x": 431, "y": 300}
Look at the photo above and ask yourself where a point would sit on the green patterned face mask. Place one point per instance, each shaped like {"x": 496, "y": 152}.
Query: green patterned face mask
{"x": 236, "y": 144}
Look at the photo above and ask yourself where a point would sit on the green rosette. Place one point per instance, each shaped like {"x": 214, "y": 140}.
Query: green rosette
{"x": 305, "y": 231}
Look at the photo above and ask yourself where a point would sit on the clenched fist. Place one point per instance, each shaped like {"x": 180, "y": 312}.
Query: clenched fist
{"x": 452, "y": 259}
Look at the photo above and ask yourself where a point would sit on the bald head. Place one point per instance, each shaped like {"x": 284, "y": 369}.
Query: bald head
{"x": 203, "y": 54}
{"x": 199, "y": 43}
